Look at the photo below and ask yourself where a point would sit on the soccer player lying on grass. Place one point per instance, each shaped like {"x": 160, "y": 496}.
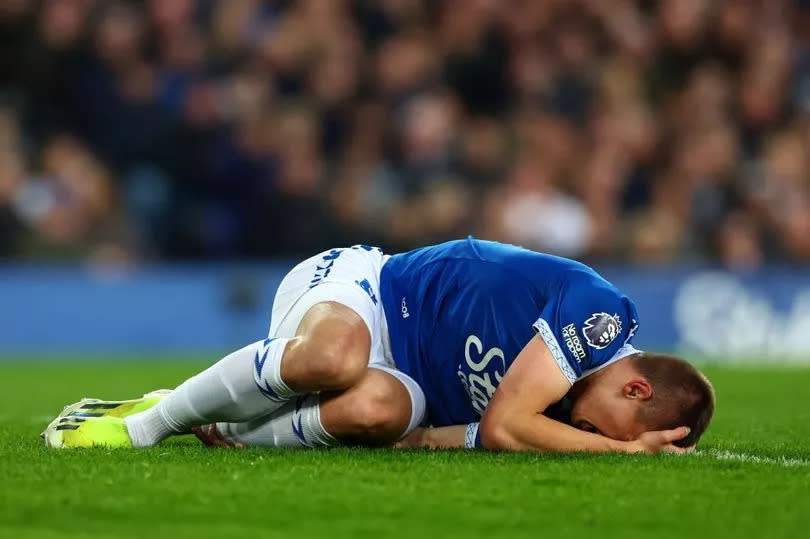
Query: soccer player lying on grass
{"x": 364, "y": 347}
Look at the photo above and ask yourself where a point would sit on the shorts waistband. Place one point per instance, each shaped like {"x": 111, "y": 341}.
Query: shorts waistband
{"x": 386, "y": 339}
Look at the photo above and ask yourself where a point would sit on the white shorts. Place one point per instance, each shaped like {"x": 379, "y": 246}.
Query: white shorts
{"x": 351, "y": 277}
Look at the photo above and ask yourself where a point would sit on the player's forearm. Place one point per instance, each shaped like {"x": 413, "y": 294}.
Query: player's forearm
{"x": 537, "y": 432}
{"x": 451, "y": 437}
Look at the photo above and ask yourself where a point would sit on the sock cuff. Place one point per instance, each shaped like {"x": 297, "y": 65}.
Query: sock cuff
{"x": 267, "y": 369}
{"x": 306, "y": 423}
{"x": 328, "y": 439}
{"x": 147, "y": 428}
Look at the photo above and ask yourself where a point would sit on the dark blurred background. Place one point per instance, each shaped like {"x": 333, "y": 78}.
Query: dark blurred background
{"x": 624, "y": 130}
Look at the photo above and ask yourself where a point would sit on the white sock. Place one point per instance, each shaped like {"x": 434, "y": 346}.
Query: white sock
{"x": 240, "y": 387}
{"x": 296, "y": 424}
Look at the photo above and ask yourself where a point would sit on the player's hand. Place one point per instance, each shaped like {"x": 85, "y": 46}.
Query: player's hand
{"x": 414, "y": 439}
{"x": 209, "y": 436}
{"x": 660, "y": 441}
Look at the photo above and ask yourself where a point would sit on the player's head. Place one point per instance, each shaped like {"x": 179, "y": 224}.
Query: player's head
{"x": 644, "y": 392}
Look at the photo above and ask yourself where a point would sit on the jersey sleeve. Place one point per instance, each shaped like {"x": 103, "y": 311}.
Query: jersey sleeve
{"x": 587, "y": 327}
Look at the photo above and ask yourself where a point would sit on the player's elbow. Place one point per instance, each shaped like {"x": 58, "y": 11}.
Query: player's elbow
{"x": 494, "y": 435}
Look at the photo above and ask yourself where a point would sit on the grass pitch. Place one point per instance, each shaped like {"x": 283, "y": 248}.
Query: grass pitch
{"x": 752, "y": 478}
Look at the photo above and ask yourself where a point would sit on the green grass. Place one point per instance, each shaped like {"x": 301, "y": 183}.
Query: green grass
{"x": 184, "y": 490}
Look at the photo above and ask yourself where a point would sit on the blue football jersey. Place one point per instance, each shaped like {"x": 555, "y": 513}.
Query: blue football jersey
{"x": 459, "y": 313}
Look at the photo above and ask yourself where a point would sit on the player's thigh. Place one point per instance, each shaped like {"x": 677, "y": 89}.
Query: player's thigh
{"x": 379, "y": 410}
{"x": 347, "y": 276}
{"x": 329, "y": 301}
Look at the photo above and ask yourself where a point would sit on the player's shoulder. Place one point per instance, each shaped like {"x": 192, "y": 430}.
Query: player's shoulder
{"x": 494, "y": 262}
{"x": 589, "y": 294}
{"x": 536, "y": 266}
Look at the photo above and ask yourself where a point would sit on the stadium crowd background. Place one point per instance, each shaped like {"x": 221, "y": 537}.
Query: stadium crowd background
{"x": 632, "y": 130}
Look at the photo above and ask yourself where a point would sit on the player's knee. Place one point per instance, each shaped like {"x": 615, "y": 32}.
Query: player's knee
{"x": 381, "y": 413}
{"x": 493, "y": 435}
{"x": 343, "y": 358}
{"x": 331, "y": 352}
{"x": 376, "y": 421}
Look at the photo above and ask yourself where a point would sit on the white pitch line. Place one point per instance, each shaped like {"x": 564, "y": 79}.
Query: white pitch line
{"x": 786, "y": 462}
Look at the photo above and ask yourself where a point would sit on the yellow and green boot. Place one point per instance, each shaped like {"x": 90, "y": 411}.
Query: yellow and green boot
{"x": 95, "y": 422}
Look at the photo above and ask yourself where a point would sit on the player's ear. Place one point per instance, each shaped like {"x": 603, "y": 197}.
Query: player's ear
{"x": 637, "y": 389}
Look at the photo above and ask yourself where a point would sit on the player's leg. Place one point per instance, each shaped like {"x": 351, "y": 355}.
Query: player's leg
{"x": 227, "y": 389}
{"x": 384, "y": 407}
{"x": 320, "y": 339}
{"x": 329, "y": 352}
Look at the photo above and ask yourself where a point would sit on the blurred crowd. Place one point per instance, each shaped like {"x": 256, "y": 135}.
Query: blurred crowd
{"x": 632, "y": 130}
